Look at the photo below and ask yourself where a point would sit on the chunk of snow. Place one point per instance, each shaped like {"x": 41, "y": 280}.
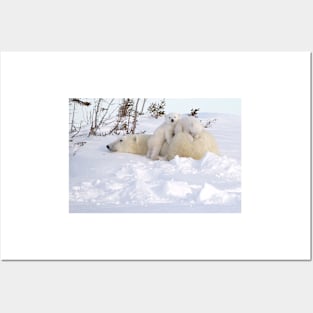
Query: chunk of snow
{"x": 179, "y": 189}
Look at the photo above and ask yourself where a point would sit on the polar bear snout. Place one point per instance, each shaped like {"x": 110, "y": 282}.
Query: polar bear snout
{"x": 112, "y": 147}
{"x": 172, "y": 118}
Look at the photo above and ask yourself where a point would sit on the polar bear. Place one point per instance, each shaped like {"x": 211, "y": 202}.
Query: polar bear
{"x": 163, "y": 134}
{"x": 189, "y": 125}
{"x": 196, "y": 148}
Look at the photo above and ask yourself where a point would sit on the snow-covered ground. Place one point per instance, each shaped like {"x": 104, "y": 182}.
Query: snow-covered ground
{"x": 102, "y": 181}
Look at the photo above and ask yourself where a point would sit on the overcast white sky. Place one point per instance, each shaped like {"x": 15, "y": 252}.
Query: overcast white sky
{"x": 231, "y": 106}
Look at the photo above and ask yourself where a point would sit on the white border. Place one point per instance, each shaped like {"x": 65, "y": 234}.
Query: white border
{"x": 275, "y": 218}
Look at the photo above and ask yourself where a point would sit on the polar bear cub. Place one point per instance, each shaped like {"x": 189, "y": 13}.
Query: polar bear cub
{"x": 189, "y": 125}
{"x": 162, "y": 134}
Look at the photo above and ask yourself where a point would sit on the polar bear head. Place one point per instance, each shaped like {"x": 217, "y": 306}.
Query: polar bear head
{"x": 172, "y": 118}
{"x": 130, "y": 144}
{"x": 194, "y": 127}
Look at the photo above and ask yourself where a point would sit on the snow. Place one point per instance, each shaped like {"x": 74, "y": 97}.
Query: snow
{"x": 102, "y": 181}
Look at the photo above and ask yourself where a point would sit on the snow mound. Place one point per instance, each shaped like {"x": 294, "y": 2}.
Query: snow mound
{"x": 142, "y": 182}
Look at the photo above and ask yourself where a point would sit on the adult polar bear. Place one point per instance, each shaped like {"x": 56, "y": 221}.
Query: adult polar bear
{"x": 180, "y": 145}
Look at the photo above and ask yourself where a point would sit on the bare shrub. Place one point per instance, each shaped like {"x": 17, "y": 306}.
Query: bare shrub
{"x": 194, "y": 112}
{"x": 157, "y": 109}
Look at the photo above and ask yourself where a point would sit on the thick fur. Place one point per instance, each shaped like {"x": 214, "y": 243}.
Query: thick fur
{"x": 189, "y": 125}
{"x": 182, "y": 146}
{"x": 137, "y": 144}
{"x": 163, "y": 134}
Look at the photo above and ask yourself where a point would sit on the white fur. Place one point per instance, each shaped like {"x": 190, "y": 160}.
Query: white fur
{"x": 163, "y": 134}
{"x": 180, "y": 145}
{"x": 189, "y": 125}
{"x": 137, "y": 144}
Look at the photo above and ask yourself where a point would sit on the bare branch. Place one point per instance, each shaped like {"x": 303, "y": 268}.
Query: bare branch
{"x": 143, "y": 106}
{"x": 76, "y": 131}
{"x": 135, "y": 117}
{"x": 86, "y": 103}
